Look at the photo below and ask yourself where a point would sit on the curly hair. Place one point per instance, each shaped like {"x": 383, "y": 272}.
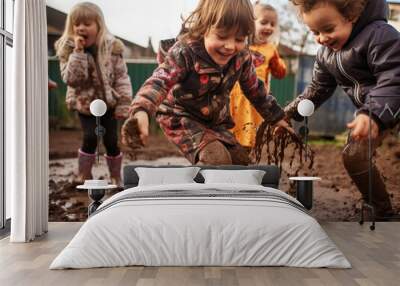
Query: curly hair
{"x": 350, "y": 9}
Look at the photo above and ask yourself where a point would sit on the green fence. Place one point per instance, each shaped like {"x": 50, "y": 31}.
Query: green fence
{"x": 138, "y": 71}
{"x": 58, "y": 113}
{"x": 284, "y": 89}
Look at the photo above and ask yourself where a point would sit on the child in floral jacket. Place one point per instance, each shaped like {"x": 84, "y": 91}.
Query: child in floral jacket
{"x": 189, "y": 92}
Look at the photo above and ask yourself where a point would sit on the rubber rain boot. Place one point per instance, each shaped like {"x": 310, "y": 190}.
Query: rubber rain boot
{"x": 114, "y": 164}
{"x": 85, "y": 164}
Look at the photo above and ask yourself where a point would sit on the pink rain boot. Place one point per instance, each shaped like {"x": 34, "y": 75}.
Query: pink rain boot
{"x": 85, "y": 164}
{"x": 114, "y": 166}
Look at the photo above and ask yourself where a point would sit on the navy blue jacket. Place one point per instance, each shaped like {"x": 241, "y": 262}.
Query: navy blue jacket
{"x": 368, "y": 66}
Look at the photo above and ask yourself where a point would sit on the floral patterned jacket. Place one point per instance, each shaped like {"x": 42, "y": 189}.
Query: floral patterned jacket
{"x": 87, "y": 80}
{"x": 188, "y": 83}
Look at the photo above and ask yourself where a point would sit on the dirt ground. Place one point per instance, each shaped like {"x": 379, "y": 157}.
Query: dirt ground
{"x": 335, "y": 197}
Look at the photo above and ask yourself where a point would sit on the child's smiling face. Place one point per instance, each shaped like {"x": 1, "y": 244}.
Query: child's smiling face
{"x": 330, "y": 28}
{"x": 223, "y": 45}
{"x": 266, "y": 21}
{"x": 88, "y": 30}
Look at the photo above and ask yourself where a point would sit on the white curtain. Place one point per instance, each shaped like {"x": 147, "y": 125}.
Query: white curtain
{"x": 27, "y": 123}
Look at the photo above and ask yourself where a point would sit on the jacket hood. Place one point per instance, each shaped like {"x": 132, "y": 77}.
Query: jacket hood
{"x": 375, "y": 10}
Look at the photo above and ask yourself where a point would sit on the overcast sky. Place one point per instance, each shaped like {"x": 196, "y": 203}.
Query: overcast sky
{"x": 137, "y": 20}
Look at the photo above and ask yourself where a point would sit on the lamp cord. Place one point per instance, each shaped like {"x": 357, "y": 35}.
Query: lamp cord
{"x": 305, "y": 136}
{"x": 370, "y": 152}
{"x": 98, "y": 139}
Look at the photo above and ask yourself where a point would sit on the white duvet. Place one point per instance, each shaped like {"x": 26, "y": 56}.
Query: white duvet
{"x": 222, "y": 225}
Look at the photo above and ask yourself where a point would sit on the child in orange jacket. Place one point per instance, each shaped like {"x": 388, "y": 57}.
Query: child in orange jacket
{"x": 267, "y": 61}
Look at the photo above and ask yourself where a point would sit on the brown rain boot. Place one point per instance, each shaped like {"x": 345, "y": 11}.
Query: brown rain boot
{"x": 114, "y": 166}
{"x": 356, "y": 163}
{"x": 239, "y": 154}
{"x": 380, "y": 197}
{"x": 214, "y": 153}
{"x": 85, "y": 164}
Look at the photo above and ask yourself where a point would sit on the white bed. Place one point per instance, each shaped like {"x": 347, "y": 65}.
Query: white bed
{"x": 201, "y": 225}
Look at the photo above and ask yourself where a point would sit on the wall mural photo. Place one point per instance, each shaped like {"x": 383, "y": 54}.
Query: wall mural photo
{"x": 240, "y": 101}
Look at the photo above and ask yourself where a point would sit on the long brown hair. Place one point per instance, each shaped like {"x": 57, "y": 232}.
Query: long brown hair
{"x": 220, "y": 14}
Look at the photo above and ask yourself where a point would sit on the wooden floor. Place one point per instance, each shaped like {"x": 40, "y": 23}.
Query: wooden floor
{"x": 374, "y": 255}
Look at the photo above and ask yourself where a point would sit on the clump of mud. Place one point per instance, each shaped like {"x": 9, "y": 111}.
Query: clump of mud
{"x": 131, "y": 134}
{"x": 274, "y": 147}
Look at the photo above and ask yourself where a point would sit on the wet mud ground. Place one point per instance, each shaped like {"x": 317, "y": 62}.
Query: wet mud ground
{"x": 335, "y": 196}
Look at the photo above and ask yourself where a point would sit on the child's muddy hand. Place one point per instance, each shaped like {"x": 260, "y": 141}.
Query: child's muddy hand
{"x": 134, "y": 131}
{"x": 143, "y": 125}
{"x": 360, "y": 128}
{"x": 281, "y": 125}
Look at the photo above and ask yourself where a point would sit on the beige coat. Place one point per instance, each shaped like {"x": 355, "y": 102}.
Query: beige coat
{"x": 87, "y": 81}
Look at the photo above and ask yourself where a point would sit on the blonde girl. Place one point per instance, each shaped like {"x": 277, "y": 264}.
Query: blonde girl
{"x": 267, "y": 61}
{"x": 92, "y": 66}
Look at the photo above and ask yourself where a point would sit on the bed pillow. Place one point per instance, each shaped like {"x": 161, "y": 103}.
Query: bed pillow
{"x": 248, "y": 177}
{"x": 163, "y": 176}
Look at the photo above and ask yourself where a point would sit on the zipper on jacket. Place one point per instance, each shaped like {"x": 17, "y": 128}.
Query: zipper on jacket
{"x": 99, "y": 74}
{"x": 349, "y": 77}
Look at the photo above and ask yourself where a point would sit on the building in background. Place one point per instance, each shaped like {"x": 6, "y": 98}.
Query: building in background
{"x": 394, "y": 14}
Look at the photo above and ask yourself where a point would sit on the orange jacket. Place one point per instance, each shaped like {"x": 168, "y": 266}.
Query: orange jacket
{"x": 245, "y": 116}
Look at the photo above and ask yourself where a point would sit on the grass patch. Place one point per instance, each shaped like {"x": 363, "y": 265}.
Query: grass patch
{"x": 320, "y": 142}
{"x": 338, "y": 140}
